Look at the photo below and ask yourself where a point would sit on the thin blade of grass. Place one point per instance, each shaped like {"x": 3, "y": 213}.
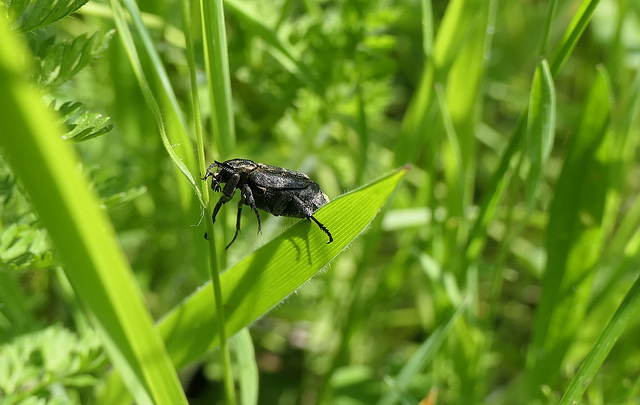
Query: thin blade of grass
{"x": 463, "y": 84}
{"x": 182, "y": 132}
{"x": 571, "y": 37}
{"x": 425, "y": 353}
{"x": 194, "y": 100}
{"x": 248, "y": 375}
{"x": 223, "y": 137}
{"x": 218, "y": 77}
{"x": 427, "y": 27}
{"x": 603, "y": 346}
{"x": 83, "y": 236}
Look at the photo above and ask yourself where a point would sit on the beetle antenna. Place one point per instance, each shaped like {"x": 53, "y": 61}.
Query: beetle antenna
{"x": 324, "y": 228}
{"x": 209, "y": 173}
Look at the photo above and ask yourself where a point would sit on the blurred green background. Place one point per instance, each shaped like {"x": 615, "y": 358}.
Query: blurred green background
{"x": 488, "y": 277}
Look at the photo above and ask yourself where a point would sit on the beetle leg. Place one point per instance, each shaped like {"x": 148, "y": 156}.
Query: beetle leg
{"x": 324, "y": 228}
{"x": 309, "y": 215}
{"x": 230, "y": 188}
{"x": 223, "y": 199}
{"x": 240, "y": 204}
{"x": 247, "y": 196}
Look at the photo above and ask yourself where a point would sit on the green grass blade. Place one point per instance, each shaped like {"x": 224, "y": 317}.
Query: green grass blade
{"x": 265, "y": 278}
{"x": 541, "y": 124}
{"x": 603, "y": 346}
{"x": 84, "y": 238}
{"x": 218, "y": 77}
{"x": 463, "y": 85}
{"x": 223, "y": 137}
{"x": 425, "y": 353}
{"x": 572, "y": 35}
{"x": 544, "y": 44}
{"x": 194, "y": 100}
{"x": 428, "y": 27}
{"x": 248, "y": 374}
{"x": 457, "y": 24}
{"x": 573, "y": 240}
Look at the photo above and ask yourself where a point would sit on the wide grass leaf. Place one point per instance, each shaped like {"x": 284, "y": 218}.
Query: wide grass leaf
{"x": 573, "y": 240}
{"x": 263, "y": 279}
{"x": 266, "y": 277}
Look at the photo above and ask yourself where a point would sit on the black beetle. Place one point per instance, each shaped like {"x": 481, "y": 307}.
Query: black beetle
{"x": 269, "y": 188}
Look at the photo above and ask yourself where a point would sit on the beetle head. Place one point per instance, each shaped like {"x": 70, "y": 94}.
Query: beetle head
{"x": 215, "y": 175}
{"x": 224, "y": 171}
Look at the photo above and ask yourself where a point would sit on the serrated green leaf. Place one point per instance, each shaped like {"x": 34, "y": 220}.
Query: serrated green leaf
{"x": 51, "y": 356}
{"x": 57, "y": 62}
{"x": 82, "y": 125}
{"x": 23, "y": 246}
{"x": 30, "y": 15}
{"x": 123, "y": 197}
{"x": 267, "y": 276}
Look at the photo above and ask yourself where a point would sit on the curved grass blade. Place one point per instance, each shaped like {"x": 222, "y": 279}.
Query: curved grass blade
{"x": 136, "y": 65}
{"x": 603, "y": 346}
{"x": 262, "y": 280}
{"x": 541, "y": 124}
{"x": 425, "y": 353}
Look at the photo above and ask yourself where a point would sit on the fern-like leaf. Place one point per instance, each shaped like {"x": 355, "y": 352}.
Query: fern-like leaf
{"x": 57, "y": 62}
{"x": 29, "y": 15}
{"x": 82, "y": 124}
{"x": 49, "y": 361}
{"x": 24, "y": 246}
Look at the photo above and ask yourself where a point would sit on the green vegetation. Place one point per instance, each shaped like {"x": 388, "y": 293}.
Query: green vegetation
{"x": 500, "y": 267}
